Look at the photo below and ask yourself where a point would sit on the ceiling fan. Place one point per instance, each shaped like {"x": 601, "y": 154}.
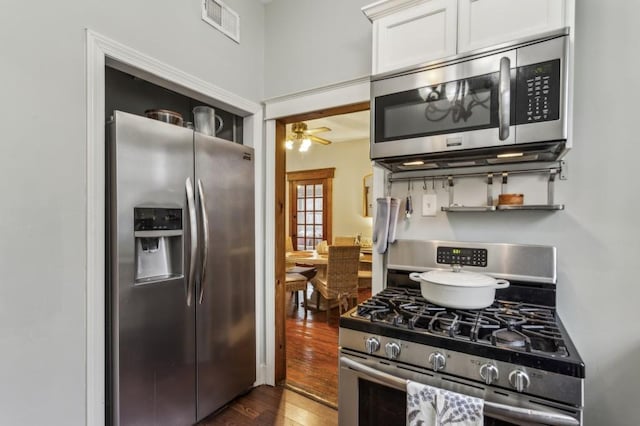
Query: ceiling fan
{"x": 300, "y": 133}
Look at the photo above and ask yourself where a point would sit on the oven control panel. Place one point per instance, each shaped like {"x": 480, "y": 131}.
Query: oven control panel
{"x": 462, "y": 256}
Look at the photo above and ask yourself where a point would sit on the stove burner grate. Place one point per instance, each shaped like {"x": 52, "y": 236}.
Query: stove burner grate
{"x": 505, "y": 324}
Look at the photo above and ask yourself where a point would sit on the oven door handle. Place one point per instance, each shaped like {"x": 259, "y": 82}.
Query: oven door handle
{"x": 503, "y": 411}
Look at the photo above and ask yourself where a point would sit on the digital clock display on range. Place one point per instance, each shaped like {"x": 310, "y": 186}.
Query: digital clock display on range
{"x": 462, "y": 256}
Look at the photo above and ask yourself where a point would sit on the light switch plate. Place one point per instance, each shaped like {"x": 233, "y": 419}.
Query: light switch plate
{"x": 429, "y": 204}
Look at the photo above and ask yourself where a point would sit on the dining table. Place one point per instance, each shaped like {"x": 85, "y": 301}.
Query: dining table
{"x": 320, "y": 261}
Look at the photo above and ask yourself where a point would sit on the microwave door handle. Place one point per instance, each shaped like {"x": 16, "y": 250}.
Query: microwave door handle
{"x": 505, "y": 412}
{"x": 504, "y": 98}
{"x": 193, "y": 226}
{"x": 205, "y": 231}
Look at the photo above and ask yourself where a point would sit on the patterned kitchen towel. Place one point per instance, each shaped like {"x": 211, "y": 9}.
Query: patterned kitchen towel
{"x": 430, "y": 406}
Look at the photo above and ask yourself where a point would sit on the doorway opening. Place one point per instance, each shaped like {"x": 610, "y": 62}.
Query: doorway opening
{"x": 307, "y": 337}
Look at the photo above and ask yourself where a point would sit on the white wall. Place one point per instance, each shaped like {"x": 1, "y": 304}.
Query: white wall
{"x": 351, "y": 161}
{"x": 311, "y": 43}
{"x": 42, "y": 174}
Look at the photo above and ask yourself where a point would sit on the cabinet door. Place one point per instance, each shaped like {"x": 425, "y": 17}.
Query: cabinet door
{"x": 483, "y": 23}
{"x": 415, "y": 35}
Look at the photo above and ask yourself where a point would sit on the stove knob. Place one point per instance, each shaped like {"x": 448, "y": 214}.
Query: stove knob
{"x": 489, "y": 373}
{"x": 372, "y": 345}
{"x": 437, "y": 361}
{"x": 519, "y": 380}
{"x": 392, "y": 349}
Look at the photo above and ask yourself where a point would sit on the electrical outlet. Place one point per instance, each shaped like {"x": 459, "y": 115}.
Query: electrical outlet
{"x": 429, "y": 204}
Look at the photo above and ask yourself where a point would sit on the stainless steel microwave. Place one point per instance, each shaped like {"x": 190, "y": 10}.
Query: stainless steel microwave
{"x": 501, "y": 104}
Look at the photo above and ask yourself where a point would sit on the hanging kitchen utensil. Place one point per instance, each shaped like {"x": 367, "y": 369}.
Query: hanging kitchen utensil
{"x": 408, "y": 210}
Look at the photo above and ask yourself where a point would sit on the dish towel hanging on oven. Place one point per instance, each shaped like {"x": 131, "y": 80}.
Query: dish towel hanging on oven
{"x": 384, "y": 228}
{"x": 430, "y": 406}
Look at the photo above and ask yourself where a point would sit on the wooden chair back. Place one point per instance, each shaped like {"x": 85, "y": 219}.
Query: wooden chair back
{"x": 342, "y": 270}
{"x": 344, "y": 241}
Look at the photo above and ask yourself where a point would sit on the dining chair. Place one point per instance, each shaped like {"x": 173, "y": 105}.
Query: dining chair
{"x": 341, "y": 279}
{"x": 294, "y": 283}
{"x": 344, "y": 241}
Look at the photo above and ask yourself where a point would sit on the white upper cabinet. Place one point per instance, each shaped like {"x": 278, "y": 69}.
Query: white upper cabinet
{"x": 412, "y": 33}
{"x": 484, "y": 23}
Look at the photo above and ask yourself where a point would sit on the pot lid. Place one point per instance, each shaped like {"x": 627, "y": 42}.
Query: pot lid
{"x": 458, "y": 278}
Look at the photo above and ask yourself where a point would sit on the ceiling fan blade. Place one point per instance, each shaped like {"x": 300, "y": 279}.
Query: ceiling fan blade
{"x": 317, "y": 130}
{"x": 319, "y": 140}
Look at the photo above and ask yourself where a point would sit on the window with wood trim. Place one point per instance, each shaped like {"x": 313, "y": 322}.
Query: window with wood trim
{"x": 310, "y": 207}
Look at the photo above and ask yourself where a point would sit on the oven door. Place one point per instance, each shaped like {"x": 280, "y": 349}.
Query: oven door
{"x": 461, "y": 106}
{"x": 373, "y": 392}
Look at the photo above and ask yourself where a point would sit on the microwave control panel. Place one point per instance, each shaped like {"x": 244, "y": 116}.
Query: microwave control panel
{"x": 462, "y": 256}
{"x": 538, "y": 92}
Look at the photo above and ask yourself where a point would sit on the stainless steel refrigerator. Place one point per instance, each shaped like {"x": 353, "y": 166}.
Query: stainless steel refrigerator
{"x": 180, "y": 272}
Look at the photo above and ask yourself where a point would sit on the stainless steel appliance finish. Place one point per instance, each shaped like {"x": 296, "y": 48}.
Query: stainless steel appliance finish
{"x": 515, "y": 354}
{"x": 475, "y": 106}
{"x": 520, "y": 262}
{"x": 225, "y": 303}
{"x": 499, "y": 404}
{"x": 180, "y": 273}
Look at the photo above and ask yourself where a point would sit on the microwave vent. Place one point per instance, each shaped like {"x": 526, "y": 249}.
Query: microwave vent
{"x": 532, "y": 152}
{"x": 220, "y": 16}
{"x": 462, "y": 164}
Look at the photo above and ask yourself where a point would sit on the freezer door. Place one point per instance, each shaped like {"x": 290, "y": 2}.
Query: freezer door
{"x": 152, "y": 336}
{"x": 225, "y": 302}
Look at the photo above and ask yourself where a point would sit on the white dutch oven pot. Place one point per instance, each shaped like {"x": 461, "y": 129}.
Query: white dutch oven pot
{"x": 458, "y": 289}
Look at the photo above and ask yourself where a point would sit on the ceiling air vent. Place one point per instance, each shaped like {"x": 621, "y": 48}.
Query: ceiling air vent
{"x": 217, "y": 14}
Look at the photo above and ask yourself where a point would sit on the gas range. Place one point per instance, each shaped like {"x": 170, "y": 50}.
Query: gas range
{"x": 515, "y": 352}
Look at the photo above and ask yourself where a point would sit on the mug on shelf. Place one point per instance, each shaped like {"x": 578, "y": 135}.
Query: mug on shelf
{"x": 206, "y": 120}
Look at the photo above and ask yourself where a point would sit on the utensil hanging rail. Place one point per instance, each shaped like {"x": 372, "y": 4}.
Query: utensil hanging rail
{"x": 554, "y": 171}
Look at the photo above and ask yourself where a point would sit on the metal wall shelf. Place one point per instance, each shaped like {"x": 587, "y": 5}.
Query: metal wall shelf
{"x": 553, "y": 170}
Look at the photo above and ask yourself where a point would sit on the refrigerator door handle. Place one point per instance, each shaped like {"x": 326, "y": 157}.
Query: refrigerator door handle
{"x": 193, "y": 225}
{"x": 205, "y": 232}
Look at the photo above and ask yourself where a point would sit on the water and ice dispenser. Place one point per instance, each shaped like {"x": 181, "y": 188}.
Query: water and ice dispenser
{"x": 158, "y": 238}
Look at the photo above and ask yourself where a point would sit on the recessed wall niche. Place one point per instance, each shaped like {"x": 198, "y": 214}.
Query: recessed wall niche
{"x": 128, "y": 93}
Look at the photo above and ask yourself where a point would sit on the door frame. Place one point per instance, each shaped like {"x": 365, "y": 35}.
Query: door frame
{"x": 342, "y": 98}
{"x": 102, "y": 51}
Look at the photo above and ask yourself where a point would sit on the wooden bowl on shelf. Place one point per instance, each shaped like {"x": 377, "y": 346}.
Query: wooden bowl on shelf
{"x": 510, "y": 199}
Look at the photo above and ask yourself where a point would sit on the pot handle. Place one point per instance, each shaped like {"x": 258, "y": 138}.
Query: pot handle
{"x": 415, "y": 276}
{"x": 501, "y": 284}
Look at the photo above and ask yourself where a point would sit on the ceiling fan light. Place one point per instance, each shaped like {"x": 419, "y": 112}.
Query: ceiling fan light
{"x": 304, "y": 146}
{"x": 288, "y": 144}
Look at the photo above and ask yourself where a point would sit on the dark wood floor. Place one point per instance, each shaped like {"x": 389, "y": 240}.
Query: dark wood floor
{"x": 267, "y": 405}
{"x": 312, "y": 376}
{"x": 312, "y": 350}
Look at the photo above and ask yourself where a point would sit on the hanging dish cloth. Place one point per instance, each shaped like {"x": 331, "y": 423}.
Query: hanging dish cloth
{"x": 430, "y": 406}
{"x": 394, "y": 211}
{"x": 384, "y": 228}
